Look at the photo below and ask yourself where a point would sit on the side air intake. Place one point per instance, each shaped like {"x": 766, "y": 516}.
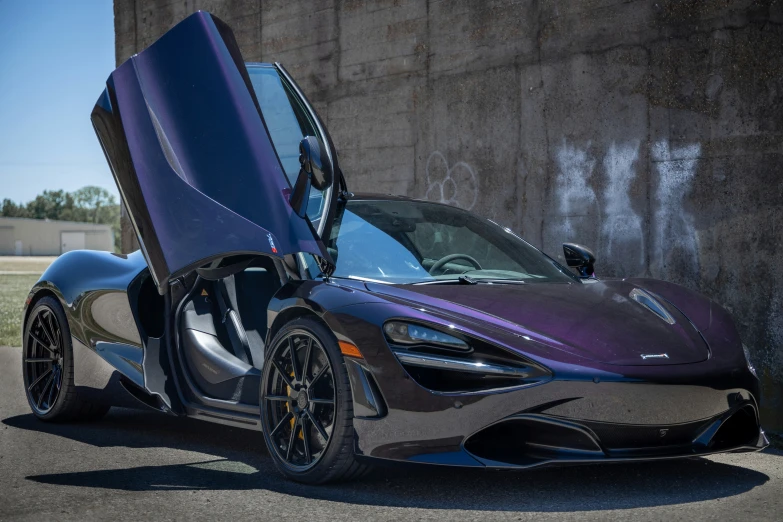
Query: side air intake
{"x": 740, "y": 429}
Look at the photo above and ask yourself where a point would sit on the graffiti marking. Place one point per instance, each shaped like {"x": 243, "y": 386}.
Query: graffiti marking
{"x": 454, "y": 185}
{"x": 621, "y": 224}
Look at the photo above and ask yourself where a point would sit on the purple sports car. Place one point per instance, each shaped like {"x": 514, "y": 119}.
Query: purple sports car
{"x": 352, "y": 328}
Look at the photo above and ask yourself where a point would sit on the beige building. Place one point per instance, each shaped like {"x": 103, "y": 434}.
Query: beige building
{"x": 44, "y": 237}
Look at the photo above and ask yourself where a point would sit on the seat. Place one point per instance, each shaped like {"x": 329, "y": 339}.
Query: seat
{"x": 215, "y": 370}
{"x": 255, "y": 287}
{"x": 224, "y": 326}
{"x": 243, "y": 299}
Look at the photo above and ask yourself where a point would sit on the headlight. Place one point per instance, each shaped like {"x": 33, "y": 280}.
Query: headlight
{"x": 751, "y": 367}
{"x": 442, "y": 362}
{"x": 408, "y": 333}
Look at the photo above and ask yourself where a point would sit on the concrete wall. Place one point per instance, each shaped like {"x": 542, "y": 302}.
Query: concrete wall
{"x": 40, "y": 237}
{"x": 648, "y": 130}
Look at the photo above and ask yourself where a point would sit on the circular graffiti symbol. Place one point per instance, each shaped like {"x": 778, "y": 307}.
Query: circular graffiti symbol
{"x": 454, "y": 185}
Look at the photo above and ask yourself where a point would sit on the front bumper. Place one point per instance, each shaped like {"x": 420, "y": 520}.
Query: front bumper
{"x": 566, "y": 422}
{"x": 620, "y": 410}
{"x": 535, "y": 440}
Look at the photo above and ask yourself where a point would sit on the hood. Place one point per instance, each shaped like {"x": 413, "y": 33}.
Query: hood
{"x": 613, "y": 322}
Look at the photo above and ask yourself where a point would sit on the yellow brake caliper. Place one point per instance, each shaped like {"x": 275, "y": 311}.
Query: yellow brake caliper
{"x": 288, "y": 406}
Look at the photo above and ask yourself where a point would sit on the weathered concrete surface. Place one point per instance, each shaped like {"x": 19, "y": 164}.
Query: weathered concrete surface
{"x": 648, "y": 130}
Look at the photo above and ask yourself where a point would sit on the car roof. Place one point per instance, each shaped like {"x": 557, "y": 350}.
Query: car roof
{"x": 372, "y": 196}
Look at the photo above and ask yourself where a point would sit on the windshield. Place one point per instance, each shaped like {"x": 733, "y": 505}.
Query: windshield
{"x": 420, "y": 242}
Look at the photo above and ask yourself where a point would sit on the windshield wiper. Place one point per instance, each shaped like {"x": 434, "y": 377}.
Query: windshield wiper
{"x": 504, "y": 281}
{"x": 467, "y": 280}
{"x": 461, "y": 280}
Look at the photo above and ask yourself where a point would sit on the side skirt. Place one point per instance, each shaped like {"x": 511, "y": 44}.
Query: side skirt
{"x": 237, "y": 420}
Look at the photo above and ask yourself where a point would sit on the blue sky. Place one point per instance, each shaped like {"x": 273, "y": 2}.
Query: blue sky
{"x": 55, "y": 57}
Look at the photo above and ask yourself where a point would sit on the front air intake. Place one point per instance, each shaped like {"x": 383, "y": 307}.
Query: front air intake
{"x": 740, "y": 429}
{"x": 526, "y": 439}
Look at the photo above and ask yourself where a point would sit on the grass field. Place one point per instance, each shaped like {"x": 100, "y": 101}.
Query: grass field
{"x": 13, "y": 291}
{"x": 17, "y": 276}
{"x": 24, "y": 264}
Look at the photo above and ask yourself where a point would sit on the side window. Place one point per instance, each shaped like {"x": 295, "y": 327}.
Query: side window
{"x": 287, "y": 122}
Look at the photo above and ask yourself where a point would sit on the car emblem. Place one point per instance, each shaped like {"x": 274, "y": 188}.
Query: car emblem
{"x": 646, "y": 356}
{"x": 663, "y": 432}
{"x": 271, "y": 243}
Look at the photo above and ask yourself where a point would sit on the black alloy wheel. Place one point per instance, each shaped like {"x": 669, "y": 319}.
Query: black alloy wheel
{"x": 43, "y": 360}
{"x": 48, "y": 366}
{"x": 306, "y": 405}
{"x": 299, "y": 400}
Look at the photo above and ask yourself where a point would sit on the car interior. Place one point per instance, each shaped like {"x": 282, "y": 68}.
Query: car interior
{"x": 222, "y": 326}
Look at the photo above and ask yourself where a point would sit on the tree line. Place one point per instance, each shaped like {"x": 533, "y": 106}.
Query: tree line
{"x": 87, "y": 205}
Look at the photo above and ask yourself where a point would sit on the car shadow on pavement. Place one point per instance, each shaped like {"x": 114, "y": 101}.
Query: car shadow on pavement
{"x": 242, "y": 463}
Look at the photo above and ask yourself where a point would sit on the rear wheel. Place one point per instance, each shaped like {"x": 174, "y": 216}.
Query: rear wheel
{"x": 306, "y": 407}
{"x": 47, "y": 366}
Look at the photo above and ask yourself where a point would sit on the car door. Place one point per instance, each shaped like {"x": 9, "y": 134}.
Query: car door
{"x": 203, "y": 172}
{"x": 289, "y": 118}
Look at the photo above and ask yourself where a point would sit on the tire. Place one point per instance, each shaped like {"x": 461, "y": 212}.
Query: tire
{"x": 295, "y": 406}
{"x": 47, "y": 367}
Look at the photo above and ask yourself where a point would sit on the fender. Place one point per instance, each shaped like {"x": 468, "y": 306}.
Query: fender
{"x": 310, "y": 296}
{"x": 100, "y": 292}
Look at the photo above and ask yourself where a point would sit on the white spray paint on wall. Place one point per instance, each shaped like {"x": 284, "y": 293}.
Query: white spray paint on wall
{"x": 455, "y": 185}
{"x": 674, "y": 228}
{"x": 575, "y": 196}
{"x": 582, "y": 213}
{"x": 621, "y": 224}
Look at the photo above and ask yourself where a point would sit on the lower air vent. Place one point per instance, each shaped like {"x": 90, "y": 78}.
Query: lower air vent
{"x": 625, "y": 436}
{"x": 740, "y": 429}
{"x": 525, "y": 439}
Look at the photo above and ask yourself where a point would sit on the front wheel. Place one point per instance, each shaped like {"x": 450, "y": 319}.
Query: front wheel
{"x": 306, "y": 406}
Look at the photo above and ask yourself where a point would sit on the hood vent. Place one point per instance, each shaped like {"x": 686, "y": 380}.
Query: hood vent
{"x": 649, "y": 302}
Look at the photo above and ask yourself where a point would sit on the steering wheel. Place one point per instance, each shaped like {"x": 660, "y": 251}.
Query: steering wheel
{"x": 440, "y": 263}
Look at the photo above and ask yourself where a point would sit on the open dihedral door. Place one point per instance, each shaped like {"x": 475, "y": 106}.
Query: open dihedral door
{"x": 192, "y": 156}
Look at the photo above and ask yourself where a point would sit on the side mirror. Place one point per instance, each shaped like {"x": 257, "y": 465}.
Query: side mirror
{"x": 579, "y": 257}
{"x": 315, "y": 170}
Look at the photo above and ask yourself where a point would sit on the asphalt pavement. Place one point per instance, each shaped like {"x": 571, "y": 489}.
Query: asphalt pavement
{"x": 136, "y": 465}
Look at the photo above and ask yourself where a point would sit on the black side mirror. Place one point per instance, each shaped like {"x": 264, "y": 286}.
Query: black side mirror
{"x": 579, "y": 257}
{"x": 316, "y": 171}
